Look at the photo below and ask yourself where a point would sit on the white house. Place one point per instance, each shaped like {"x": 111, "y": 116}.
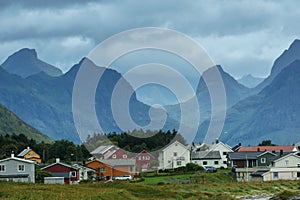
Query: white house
{"x": 85, "y": 173}
{"x": 289, "y": 160}
{"x": 211, "y": 155}
{"x": 174, "y": 155}
{"x": 17, "y": 170}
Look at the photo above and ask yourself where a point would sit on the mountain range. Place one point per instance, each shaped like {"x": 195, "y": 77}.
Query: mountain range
{"x": 43, "y": 99}
{"x": 273, "y": 112}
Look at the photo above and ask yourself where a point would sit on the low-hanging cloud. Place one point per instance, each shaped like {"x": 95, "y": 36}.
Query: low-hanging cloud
{"x": 244, "y": 36}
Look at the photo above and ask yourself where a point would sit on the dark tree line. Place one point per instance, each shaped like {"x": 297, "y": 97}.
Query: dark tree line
{"x": 136, "y": 140}
{"x": 65, "y": 150}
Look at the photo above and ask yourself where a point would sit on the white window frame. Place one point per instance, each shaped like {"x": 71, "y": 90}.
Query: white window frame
{"x": 178, "y": 163}
{"x": 263, "y": 160}
{"x": 114, "y": 156}
{"x": 4, "y": 168}
{"x": 124, "y": 156}
{"x": 72, "y": 174}
{"x": 22, "y": 166}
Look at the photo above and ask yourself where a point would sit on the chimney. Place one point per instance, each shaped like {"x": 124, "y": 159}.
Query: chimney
{"x": 57, "y": 160}
{"x": 217, "y": 141}
{"x": 281, "y": 152}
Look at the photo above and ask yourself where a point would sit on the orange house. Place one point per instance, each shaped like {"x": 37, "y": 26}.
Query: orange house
{"x": 29, "y": 154}
{"x": 112, "y": 167}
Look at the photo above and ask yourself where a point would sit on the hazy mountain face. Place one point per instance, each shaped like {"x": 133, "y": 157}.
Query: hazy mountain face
{"x": 286, "y": 58}
{"x": 26, "y": 63}
{"x": 271, "y": 114}
{"x": 250, "y": 81}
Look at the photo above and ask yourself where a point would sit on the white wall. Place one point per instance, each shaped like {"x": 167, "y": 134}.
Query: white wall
{"x": 167, "y": 159}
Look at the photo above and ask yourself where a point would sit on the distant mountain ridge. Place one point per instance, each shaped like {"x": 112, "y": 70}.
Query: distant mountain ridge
{"x": 25, "y": 63}
{"x": 45, "y": 102}
{"x": 271, "y": 114}
{"x": 250, "y": 81}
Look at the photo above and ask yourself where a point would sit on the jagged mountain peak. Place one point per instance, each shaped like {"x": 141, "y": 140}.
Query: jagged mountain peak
{"x": 25, "y": 63}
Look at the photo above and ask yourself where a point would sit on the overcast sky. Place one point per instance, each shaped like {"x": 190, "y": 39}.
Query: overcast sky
{"x": 243, "y": 36}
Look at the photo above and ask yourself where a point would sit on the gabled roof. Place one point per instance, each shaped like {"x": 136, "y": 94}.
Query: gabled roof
{"x": 243, "y": 155}
{"x": 82, "y": 167}
{"x": 24, "y": 152}
{"x": 175, "y": 142}
{"x": 102, "y": 149}
{"x": 267, "y": 148}
{"x": 214, "y": 146}
{"x": 59, "y": 163}
{"x": 287, "y": 154}
{"x": 206, "y": 155}
{"x": 146, "y": 152}
{"x": 18, "y": 159}
{"x": 267, "y": 152}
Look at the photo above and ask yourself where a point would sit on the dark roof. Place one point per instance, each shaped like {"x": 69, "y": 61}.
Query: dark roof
{"x": 205, "y": 155}
{"x": 243, "y": 155}
{"x": 14, "y": 176}
{"x": 59, "y": 163}
{"x": 259, "y": 172}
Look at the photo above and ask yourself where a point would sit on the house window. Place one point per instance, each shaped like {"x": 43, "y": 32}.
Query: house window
{"x": 2, "y": 168}
{"x": 179, "y": 163}
{"x": 275, "y": 175}
{"x": 216, "y": 162}
{"x": 263, "y": 160}
{"x": 286, "y": 162}
{"x": 124, "y": 156}
{"x": 139, "y": 158}
{"x": 147, "y": 157}
{"x": 204, "y": 162}
{"x": 298, "y": 174}
{"x": 224, "y": 153}
{"x": 175, "y": 154}
{"x": 103, "y": 169}
{"x": 73, "y": 174}
{"x": 21, "y": 168}
{"x": 131, "y": 168}
{"x": 224, "y": 162}
{"x": 114, "y": 156}
{"x": 169, "y": 161}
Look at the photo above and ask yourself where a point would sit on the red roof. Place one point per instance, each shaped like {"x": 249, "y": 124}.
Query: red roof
{"x": 266, "y": 148}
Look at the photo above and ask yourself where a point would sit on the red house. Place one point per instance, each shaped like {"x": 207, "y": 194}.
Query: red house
{"x": 58, "y": 169}
{"x": 143, "y": 160}
{"x": 118, "y": 154}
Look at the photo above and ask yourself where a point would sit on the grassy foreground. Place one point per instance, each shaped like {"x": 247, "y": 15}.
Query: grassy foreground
{"x": 210, "y": 189}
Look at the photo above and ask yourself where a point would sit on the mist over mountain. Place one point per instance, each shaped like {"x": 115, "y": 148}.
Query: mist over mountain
{"x": 26, "y": 63}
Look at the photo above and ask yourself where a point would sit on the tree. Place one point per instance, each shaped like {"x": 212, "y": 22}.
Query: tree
{"x": 266, "y": 143}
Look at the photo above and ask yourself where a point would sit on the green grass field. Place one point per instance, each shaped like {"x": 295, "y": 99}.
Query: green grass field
{"x": 215, "y": 186}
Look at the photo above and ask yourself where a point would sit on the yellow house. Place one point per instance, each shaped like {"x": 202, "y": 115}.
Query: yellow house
{"x": 29, "y": 154}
